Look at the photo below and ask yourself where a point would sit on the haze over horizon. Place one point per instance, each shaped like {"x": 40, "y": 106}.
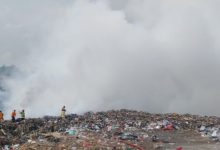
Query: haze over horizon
{"x": 91, "y": 55}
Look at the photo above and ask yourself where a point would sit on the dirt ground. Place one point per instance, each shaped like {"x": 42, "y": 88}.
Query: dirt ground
{"x": 188, "y": 140}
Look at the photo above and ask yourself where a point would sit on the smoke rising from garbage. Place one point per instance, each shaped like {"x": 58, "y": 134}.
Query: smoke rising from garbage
{"x": 148, "y": 55}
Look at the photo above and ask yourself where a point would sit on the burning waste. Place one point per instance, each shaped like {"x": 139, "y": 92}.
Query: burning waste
{"x": 115, "y": 129}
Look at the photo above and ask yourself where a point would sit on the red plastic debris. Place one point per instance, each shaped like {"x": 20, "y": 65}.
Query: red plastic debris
{"x": 179, "y": 148}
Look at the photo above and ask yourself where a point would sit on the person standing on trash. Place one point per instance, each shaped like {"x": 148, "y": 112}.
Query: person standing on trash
{"x": 1, "y": 116}
{"x": 22, "y": 113}
{"x": 13, "y": 115}
{"x": 63, "y": 111}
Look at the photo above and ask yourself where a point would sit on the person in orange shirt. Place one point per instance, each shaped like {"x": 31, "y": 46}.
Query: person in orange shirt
{"x": 13, "y": 115}
{"x": 1, "y": 116}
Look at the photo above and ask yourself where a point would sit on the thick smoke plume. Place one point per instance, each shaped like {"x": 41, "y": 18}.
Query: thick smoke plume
{"x": 156, "y": 56}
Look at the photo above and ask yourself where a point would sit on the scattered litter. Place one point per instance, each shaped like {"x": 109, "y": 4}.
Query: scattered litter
{"x": 116, "y": 129}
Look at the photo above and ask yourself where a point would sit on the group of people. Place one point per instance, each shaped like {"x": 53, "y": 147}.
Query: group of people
{"x": 22, "y": 115}
{"x": 13, "y": 116}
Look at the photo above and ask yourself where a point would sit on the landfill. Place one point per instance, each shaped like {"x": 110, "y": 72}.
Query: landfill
{"x": 111, "y": 130}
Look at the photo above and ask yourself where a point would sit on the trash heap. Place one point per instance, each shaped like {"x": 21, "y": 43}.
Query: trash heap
{"x": 115, "y": 129}
{"x": 211, "y": 130}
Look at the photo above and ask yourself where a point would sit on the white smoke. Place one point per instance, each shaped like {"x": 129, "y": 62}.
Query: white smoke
{"x": 148, "y": 55}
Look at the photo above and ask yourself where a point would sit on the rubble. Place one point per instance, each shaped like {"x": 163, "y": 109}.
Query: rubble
{"x": 115, "y": 129}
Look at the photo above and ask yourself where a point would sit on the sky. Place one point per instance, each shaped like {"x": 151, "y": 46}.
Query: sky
{"x": 93, "y": 55}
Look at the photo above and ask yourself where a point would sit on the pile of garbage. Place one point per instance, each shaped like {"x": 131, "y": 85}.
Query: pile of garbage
{"x": 212, "y": 131}
{"x": 115, "y": 129}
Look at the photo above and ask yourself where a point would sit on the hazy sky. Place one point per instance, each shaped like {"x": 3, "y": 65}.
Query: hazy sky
{"x": 156, "y": 56}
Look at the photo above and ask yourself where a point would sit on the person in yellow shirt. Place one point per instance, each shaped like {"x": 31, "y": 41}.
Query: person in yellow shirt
{"x": 22, "y": 113}
{"x": 63, "y": 111}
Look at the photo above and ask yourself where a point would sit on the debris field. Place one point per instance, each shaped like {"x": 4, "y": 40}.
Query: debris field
{"x": 113, "y": 130}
